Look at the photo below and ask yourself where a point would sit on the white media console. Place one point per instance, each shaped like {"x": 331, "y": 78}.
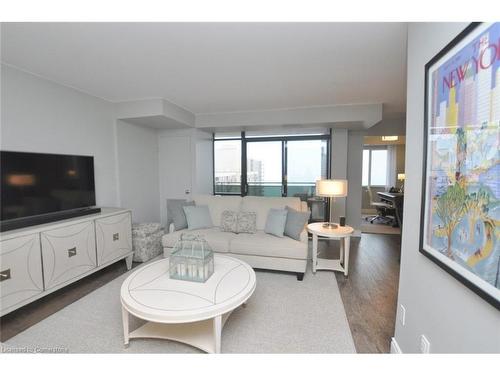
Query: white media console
{"x": 37, "y": 260}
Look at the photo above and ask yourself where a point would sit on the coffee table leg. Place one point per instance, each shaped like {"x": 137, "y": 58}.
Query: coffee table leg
{"x": 125, "y": 326}
{"x": 217, "y": 324}
{"x": 314, "y": 252}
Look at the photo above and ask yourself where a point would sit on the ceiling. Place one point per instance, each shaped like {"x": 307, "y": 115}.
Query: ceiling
{"x": 219, "y": 67}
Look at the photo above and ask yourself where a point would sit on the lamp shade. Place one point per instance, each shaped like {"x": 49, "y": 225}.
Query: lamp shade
{"x": 331, "y": 188}
{"x": 401, "y": 176}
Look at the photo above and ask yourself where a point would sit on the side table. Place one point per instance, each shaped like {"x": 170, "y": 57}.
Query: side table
{"x": 343, "y": 234}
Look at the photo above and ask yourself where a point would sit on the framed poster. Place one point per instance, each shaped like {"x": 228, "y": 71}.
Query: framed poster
{"x": 461, "y": 191}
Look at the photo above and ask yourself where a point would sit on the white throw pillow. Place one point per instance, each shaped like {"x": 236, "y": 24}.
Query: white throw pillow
{"x": 247, "y": 222}
{"x": 229, "y": 221}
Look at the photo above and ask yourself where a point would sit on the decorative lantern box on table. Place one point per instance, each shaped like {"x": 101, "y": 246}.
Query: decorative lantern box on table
{"x": 192, "y": 259}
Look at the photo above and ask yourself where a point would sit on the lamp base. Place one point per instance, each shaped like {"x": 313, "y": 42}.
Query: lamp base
{"x": 330, "y": 225}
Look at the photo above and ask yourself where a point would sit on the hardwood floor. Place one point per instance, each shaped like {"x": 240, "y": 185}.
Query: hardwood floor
{"x": 369, "y": 293}
{"x": 371, "y": 290}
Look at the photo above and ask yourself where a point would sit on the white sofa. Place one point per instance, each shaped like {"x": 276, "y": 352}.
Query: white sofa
{"x": 260, "y": 250}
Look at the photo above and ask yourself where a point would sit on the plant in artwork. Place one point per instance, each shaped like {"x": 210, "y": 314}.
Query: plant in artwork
{"x": 450, "y": 208}
{"x": 463, "y": 159}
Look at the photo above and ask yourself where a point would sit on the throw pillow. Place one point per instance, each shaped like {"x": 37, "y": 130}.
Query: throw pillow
{"x": 275, "y": 222}
{"x": 228, "y": 221}
{"x": 247, "y": 222}
{"x": 198, "y": 217}
{"x": 176, "y": 214}
{"x": 295, "y": 222}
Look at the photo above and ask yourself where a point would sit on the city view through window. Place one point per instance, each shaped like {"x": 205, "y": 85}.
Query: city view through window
{"x": 268, "y": 173}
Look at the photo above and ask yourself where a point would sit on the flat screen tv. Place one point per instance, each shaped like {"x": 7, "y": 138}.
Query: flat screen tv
{"x": 39, "y": 188}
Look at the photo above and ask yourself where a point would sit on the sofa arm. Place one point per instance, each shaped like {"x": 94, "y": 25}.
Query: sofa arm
{"x": 171, "y": 228}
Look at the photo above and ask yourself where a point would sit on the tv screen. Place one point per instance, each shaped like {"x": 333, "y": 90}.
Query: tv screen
{"x": 37, "y": 184}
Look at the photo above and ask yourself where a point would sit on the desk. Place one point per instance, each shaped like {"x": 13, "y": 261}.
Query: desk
{"x": 396, "y": 199}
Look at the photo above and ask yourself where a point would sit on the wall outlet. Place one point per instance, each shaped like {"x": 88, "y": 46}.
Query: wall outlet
{"x": 425, "y": 345}
{"x": 402, "y": 315}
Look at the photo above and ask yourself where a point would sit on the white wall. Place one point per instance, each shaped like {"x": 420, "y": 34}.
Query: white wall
{"x": 42, "y": 116}
{"x": 185, "y": 164}
{"x": 452, "y": 317}
{"x": 138, "y": 171}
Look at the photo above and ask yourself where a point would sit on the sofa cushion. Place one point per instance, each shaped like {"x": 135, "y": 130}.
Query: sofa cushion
{"x": 262, "y": 205}
{"x": 295, "y": 222}
{"x": 275, "y": 222}
{"x": 218, "y": 241}
{"x": 267, "y": 245}
{"x": 175, "y": 212}
{"x": 217, "y": 204}
{"x": 198, "y": 217}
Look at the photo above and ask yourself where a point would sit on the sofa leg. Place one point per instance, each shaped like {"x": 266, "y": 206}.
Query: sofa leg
{"x": 300, "y": 276}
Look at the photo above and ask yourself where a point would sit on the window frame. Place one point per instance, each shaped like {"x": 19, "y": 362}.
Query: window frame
{"x": 370, "y": 148}
{"x": 284, "y": 166}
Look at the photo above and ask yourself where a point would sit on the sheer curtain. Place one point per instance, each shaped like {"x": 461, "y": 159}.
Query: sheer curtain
{"x": 391, "y": 167}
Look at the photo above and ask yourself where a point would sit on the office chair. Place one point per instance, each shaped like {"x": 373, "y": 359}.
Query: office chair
{"x": 384, "y": 210}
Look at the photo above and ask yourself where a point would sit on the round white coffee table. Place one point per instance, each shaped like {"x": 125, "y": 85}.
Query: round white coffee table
{"x": 189, "y": 312}
{"x": 343, "y": 234}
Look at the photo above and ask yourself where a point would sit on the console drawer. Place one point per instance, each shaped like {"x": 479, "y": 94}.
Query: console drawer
{"x": 20, "y": 270}
{"x": 114, "y": 237}
{"x": 68, "y": 252}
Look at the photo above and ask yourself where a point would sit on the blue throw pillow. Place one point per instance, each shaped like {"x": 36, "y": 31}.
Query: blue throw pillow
{"x": 175, "y": 212}
{"x": 275, "y": 223}
{"x": 295, "y": 222}
{"x": 198, "y": 217}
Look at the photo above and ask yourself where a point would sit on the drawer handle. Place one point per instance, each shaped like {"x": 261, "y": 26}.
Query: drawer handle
{"x": 116, "y": 237}
{"x": 71, "y": 252}
{"x": 5, "y": 275}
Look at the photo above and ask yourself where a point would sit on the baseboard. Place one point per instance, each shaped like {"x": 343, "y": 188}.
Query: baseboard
{"x": 356, "y": 233}
{"x": 395, "y": 349}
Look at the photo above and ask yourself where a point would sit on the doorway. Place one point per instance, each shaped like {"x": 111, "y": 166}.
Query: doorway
{"x": 383, "y": 184}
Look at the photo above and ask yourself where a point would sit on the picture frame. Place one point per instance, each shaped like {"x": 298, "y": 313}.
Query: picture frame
{"x": 460, "y": 207}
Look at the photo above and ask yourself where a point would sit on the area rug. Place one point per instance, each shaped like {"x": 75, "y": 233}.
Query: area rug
{"x": 283, "y": 316}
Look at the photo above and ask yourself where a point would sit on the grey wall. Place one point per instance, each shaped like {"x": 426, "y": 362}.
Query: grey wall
{"x": 453, "y": 318}
{"x": 42, "y": 116}
{"x": 354, "y": 174}
{"x": 138, "y": 171}
{"x": 389, "y": 126}
{"x": 339, "y": 167}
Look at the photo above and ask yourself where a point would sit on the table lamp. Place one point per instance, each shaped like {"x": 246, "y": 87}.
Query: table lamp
{"x": 331, "y": 189}
{"x": 401, "y": 177}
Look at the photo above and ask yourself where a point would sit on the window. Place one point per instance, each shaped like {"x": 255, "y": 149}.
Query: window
{"x": 270, "y": 165}
{"x": 264, "y": 168}
{"x": 227, "y": 166}
{"x": 374, "y": 167}
{"x": 307, "y": 162}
